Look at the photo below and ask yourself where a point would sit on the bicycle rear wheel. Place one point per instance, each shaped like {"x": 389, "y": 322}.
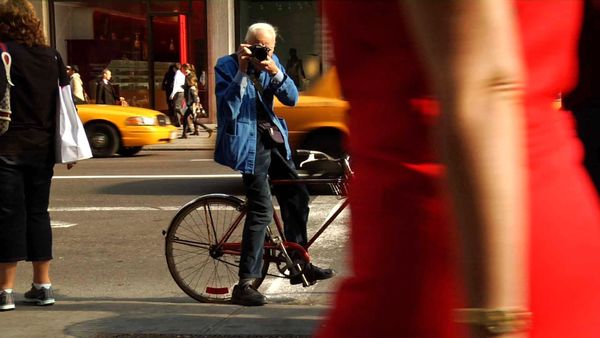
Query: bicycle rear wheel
{"x": 203, "y": 246}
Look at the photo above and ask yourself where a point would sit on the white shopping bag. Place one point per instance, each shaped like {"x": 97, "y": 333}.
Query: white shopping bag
{"x": 71, "y": 141}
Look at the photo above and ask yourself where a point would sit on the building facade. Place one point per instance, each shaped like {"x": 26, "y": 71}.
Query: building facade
{"x": 138, "y": 39}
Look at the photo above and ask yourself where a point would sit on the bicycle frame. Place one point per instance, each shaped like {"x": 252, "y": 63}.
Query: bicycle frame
{"x": 235, "y": 248}
{"x": 342, "y": 204}
{"x": 210, "y": 222}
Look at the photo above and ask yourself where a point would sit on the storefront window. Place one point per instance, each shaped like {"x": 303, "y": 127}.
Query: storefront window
{"x": 134, "y": 39}
{"x": 299, "y": 28}
{"x": 169, "y": 6}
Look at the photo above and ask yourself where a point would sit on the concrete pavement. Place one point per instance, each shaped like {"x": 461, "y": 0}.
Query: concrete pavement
{"x": 102, "y": 317}
{"x": 158, "y": 318}
{"x": 200, "y": 142}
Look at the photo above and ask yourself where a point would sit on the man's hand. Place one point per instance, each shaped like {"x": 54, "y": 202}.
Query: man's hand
{"x": 244, "y": 54}
{"x": 267, "y": 65}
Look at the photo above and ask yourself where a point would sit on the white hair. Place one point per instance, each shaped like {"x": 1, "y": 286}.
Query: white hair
{"x": 260, "y": 26}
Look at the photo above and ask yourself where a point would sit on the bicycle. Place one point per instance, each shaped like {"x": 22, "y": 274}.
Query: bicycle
{"x": 203, "y": 241}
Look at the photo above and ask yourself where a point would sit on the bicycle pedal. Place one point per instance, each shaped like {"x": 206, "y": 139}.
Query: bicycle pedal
{"x": 309, "y": 283}
{"x": 301, "y": 279}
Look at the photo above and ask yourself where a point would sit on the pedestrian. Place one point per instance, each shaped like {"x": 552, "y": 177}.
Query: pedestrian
{"x": 106, "y": 93}
{"x": 79, "y": 95}
{"x": 252, "y": 140}
{"x": 167, "y": 87}
{"x": 503, "y": 239}
{"x": 177, "y": 96}
{"x": 295, "y": 68}
{"x": 192, "y": 102}
{"x": 27, "y": 153}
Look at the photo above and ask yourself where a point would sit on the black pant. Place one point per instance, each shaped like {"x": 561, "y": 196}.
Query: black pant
{"x": 24, "y": 220}
{"x": 292, "y": 198}
{"x": 185, "y": 121}
{"x": 178, "y": 108}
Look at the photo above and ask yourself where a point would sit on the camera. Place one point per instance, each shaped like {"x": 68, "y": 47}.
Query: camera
{"x": 260, "y": 52}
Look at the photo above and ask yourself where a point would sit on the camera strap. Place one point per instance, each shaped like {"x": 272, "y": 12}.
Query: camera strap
{"x": 259, "y": 87}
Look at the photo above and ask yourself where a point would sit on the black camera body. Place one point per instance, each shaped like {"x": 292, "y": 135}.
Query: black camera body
{"x": 260, "y": 52}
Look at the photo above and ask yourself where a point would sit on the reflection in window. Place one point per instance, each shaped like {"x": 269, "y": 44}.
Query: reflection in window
{"x": 114, "y": 34}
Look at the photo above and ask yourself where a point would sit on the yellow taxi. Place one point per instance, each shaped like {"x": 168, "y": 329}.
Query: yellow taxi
{"x": 123, "y": 130}
{"x": 319, "y": 120}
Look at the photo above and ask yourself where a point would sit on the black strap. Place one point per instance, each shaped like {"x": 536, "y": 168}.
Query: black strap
{"x": 259, "y": 87}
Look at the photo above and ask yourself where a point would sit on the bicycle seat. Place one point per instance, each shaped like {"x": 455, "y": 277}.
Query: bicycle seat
{"x": 320, "y": 164}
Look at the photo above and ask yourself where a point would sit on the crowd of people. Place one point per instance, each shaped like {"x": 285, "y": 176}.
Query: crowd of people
{"x": 180, "y": 84}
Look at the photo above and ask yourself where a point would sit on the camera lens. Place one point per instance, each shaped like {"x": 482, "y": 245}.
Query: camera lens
{"x": 259, "y": 52}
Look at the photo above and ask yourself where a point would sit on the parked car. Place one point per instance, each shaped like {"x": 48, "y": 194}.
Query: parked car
{"x": 124, "y": 130}
{"x": 319, "y": 120}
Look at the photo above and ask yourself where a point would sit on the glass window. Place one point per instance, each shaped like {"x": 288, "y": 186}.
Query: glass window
{"x": 169, "y": 6}
{"x": 106, "y": 34}
{"x": 115, "y": 34}
{"x": 299, "y": 32}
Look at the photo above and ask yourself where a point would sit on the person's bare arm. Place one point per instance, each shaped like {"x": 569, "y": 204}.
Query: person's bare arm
{"x": 473, "y": 57}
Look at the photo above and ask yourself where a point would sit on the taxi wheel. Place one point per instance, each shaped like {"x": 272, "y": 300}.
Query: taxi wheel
{"x": 129, "y": 151}
{"x": 103, "y": 138}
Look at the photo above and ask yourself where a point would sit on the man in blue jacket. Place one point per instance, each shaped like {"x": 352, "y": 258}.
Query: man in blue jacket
{"x": 254, "y": 141}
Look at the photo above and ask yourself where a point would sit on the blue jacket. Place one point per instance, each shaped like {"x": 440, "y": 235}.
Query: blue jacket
{"x": 236, "y": 111}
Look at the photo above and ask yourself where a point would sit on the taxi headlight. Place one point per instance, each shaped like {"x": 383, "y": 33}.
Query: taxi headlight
{"x": 140, "y": 121}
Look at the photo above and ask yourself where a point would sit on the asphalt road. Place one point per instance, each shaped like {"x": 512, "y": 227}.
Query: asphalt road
{"x": 108, "y": 216}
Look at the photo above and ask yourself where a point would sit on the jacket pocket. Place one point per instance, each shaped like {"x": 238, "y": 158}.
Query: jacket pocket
{"x": 234, "y": 148}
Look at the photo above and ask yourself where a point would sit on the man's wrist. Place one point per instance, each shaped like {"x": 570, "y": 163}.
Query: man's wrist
{"x": 277, "y": 77}
{"x": 496, "y": 321}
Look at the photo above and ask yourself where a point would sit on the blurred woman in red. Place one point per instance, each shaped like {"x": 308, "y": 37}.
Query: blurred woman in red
{"x": 511, "y": 226}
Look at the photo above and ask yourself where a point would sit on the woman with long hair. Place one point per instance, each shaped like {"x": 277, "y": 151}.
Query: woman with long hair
{"x": 27, "y": 152}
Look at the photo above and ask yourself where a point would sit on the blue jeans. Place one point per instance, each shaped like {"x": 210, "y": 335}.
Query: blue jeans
{"x": 292, "y": 198}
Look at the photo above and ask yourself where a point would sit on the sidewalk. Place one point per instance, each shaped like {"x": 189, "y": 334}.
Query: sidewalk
{"x": 200, "y": 142}
{"x": 158, "y": 317}
{"x": 103, "y": 318}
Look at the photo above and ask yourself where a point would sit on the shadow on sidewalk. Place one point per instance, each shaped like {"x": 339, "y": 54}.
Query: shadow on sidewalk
{"x": 194, "y": 319}
{"x": 96, "y": 317}
{"x": 190, "y": 186}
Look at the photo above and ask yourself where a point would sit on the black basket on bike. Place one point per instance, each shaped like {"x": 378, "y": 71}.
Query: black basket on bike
{"x": 327, "y": 169}
{"x": 339, "y": 188}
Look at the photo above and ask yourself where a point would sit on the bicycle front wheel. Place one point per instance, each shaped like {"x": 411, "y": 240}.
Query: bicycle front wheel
{"x": 203, "y": 246}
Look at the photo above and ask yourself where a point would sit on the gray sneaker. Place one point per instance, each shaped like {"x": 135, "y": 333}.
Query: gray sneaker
{"x": 7, "y": 301}
{"x": 42, "y": 296}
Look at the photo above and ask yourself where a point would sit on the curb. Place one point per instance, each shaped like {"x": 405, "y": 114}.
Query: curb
{"x": 192, "y": 142}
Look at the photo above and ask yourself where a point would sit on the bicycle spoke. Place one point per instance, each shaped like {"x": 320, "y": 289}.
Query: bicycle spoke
{"x": 210, "y": 221}
{"x": 196, "y": 261}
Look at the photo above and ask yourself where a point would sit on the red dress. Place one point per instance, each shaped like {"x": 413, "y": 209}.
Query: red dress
{"x": 404, "y": 250}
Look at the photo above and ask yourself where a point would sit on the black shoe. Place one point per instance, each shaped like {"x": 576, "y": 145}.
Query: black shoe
{"x": 312, "y": 273}
{"x": 247, "y": 296}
